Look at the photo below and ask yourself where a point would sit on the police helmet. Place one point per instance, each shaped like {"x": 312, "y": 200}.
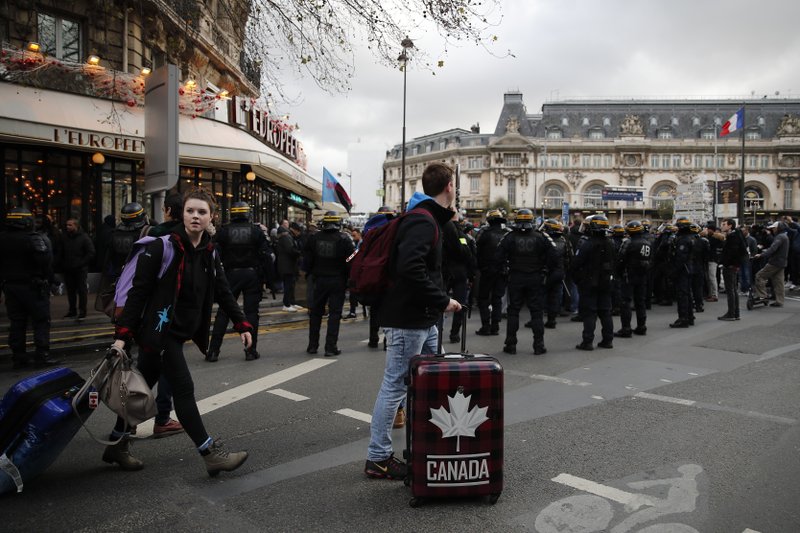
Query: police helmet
{"x": 240, "y": 211}
{"x": 19, "y": 218}
{"x": 331, "y": 221}
{"x": 646, "y": 225}
{"x": 670, "y": 228}
{"x": 634, "y": 226}
{"x": 387, "y": 211}
{"x": 132, "y": 215}
{"x": 468, "y": 227}
{"x": 694, "y": 228}
{"x": 683, "y": 224}
{"x": 552, "y": 225}
{"x": 495, "y": 216}
{"x": 598, "y": 224}
{"x": 617, "y": 230}
{"x": 524, "y": 219}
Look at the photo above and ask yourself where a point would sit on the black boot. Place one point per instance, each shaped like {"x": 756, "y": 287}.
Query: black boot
{"x": 640, "y": 330}
{"x": 251, "y": 354}
{"x": 680, "y": 323}
{"x": 212, "y": 355}
{"x": 585, "y": 345}
{"x": 510, "y": 348}
{"x": 484, "y": 331}
{"x": 551, "y": 322}
{"x": 495, "y": 329}
{"x": 625, "y": 333}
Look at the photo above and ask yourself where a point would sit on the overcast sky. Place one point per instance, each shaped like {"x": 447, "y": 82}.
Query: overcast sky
{"x": 563, "y": 49}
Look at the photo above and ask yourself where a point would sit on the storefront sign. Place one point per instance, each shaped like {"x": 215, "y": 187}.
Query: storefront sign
{"x": 296, "y": 198}
{"x": 622, "y": 194}
{"x": 258, "y": 122}
{"x": 98, "y": 141}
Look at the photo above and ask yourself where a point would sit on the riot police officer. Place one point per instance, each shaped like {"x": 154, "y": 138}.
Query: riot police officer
{"x": 246, "y": 256}
{"x": 681, "y": 269}
{"x": 555, "y": 278}
{"x": 593, "y": 270}
{"x": 26, "y": 270}
{"x": 633, "y": 267}
{"x": 617, "y": 236}
{"x": 663, "y": 287}
{"x": 457, "y": 270}
{"x": 132, "y": 227}
{"x": 491, "y": 282}
{"x": 326, "y": 254}
{"x": 700, "y": 253}
{"x": 530, "y": 255}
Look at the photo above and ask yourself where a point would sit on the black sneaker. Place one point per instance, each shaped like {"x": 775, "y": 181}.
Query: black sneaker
{"x": 212, "y": 356}
{"x": 586, "y": 346}
{"x": 680, "y": 323}
{"x": 605, "y": 344}
{"x": 726, "y": 317}
{"x": 391, "y": 468}
{"x": 510, "y": 349}
{"x": 539, "y": 350}
{"x": 251, "y": 355}
{"x": 455, "y": 338}
{"x": 312, "y": 349}
{"x": 350, "y": 315}
{"x": 483, "y": 332}
{"x": 625, "y": 333}
{"x": 332, "y": 352}
{"x": 640, "y": 330}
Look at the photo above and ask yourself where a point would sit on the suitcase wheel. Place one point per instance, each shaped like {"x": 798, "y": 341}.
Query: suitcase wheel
{"x": 415, "y": 502}
{"x": 493, "y": 498}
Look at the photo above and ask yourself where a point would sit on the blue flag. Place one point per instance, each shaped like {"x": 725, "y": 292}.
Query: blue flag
{"x": 332, "y": 191}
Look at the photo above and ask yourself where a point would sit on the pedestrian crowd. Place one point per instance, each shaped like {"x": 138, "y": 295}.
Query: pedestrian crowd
{"x": 439, "y": 263}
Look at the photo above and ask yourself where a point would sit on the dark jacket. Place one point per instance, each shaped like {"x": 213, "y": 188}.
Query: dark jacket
{"x": 326, "y": 253}
{"x": 417, "y": 298}
{"x": 77, "y": 251}
{"x": 31, "y": 260}
{"x": 150, "y": 309}
{"x": 165, "y": 228}
{"x": 778, "y": 251}
{"x": 288, "y": 251}
{"x": 734, "y": 249}
{"x": 458, "y": 260}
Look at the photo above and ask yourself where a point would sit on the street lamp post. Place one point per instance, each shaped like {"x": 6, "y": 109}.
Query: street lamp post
{"x": 403, "y": 59}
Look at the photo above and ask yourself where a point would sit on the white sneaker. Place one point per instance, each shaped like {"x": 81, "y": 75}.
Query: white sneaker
{"x": 298, "y": 307}
{"x": 289, "y": 309}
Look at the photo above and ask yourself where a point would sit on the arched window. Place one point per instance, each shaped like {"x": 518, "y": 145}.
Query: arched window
{"x": 753, "y": 198}
{"x": 662, "y": 194}
{"x": 593, "y": 196}
{"x": 553, "y": 196}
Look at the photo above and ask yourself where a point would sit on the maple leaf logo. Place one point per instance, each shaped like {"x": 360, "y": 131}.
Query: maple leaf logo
{"x": 460, "y": 421}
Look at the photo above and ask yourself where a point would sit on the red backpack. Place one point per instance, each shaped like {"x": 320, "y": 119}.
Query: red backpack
{"x": 370, "y": 264}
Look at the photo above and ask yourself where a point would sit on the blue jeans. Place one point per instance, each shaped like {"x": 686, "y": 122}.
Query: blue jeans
{"x": 401, "y": 345}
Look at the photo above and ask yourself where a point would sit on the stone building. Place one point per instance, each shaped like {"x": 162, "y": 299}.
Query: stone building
{"x": 72, "y": 83}
{"x": 574, "y": 149}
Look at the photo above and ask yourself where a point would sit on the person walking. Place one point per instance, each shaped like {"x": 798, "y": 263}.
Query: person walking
{"x": 77, "y": 254}
{"x": 530, "y": 255}
{"x": 593, "y": 270}
{"x": 246, "y": 255}
{"x": 777, "y": 258}
{"x": 326, "y": 254}
{"x": 26, "y": 271}
{"x": 384, "y": 215}
{"x": 633, "y": 266}
{"x": 163, "y": 313}
{"x": 411, "y": 308}
{"x": 734, "y": 250}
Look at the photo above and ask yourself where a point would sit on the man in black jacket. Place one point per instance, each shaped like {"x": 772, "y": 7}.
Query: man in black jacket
{"x": 77, "y": 255}
{"x": 411, "y": 308}
{"x": 458, "y": 270}
{"x": 734, "y": 249}
{"x": 492, "y": 283}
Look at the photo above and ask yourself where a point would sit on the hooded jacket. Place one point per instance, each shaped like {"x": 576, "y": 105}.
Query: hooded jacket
{"x": 417, "y": 298}
{"x": 150, "y": 308}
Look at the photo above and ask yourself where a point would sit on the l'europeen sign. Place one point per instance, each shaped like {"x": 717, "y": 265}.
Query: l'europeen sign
{"x": 258, "y": 122}
{"x": 98, "y": 141}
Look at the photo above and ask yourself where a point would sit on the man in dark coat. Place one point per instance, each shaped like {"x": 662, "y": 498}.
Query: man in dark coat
{"x": 77, "y": 254}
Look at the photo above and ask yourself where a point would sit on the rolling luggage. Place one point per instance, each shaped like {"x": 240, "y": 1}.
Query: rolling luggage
{"x": 454, "y": 435}
{"x": 37, "y": 421}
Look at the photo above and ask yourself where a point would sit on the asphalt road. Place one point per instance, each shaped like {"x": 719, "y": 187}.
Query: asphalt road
{"x": 678, "y": 431}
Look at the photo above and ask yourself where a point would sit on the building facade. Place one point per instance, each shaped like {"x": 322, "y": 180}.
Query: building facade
{"x": 72, "y": 136}
{"x": 572, "y": 150}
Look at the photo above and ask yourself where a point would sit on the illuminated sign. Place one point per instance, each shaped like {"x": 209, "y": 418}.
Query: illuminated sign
{"x": 98, "y": 141}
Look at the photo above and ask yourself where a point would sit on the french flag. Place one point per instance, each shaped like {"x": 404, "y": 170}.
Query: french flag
{"x": 736, "y": 122}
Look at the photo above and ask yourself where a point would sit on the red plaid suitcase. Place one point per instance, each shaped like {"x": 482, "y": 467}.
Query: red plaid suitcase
{"x": 454, "y": 434}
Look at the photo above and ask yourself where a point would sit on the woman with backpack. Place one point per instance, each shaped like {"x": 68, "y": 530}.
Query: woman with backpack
{"x": 164, "y": 310}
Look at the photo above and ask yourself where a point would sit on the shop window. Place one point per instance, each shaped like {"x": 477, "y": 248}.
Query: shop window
{"x": 60, "y": 37}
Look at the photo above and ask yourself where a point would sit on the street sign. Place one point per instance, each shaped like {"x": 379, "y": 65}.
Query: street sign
{"x": 622, "y": 194}
{"x": 161, "y": 166}
{"x": 379, "y": 192}
{"x": 565, "y": 213}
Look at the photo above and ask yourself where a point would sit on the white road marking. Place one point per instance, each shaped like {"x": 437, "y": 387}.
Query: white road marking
{"x": 212, "y": 403}
{"x": 358, "y": 415}
{"x": 289, "y": 395}
{"x": 748, "y": 530}
{"x": 665, "y": 380}
{"x": 564, "y": 381}
{"x": 668, "y": 399}
{"x": 633, "y": 501}
{"x": 598, "y": 398}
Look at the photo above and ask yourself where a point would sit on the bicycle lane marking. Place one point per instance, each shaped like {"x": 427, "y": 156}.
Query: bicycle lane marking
{"x": 633, "y": 501}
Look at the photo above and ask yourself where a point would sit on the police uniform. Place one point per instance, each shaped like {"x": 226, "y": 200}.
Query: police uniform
{"x": 681, "y": 273}
{"x": 26, "y": 274}
{"x": 458, "y": 268}
{"x": 634, "y": 262}
{"x": 555, "y": 278}
{"x": 529, "y": 255}
{"x": 326, "y": 254}
{"x": 246, "y": 257}
{"x": 593, "y": 270}
{"x": 492, "y": 282}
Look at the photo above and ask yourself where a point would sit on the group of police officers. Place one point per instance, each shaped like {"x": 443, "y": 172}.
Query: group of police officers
{"x": 607, "y": 270}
